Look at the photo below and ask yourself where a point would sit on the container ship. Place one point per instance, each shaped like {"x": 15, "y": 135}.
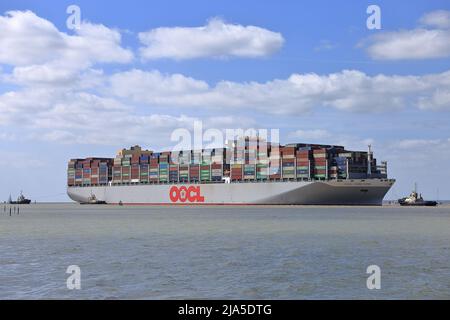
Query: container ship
{"x": 245, "y": 171}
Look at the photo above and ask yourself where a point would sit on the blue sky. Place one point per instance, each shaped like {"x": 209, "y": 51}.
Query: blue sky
{"x": 137, "y": 70}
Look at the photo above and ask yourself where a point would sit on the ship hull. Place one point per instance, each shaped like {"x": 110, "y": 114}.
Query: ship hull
{"x": 332, "y": 192}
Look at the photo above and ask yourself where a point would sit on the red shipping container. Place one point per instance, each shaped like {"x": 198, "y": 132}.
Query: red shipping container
{"x": 134, "y": 174}
{"x": 135, "y": 159}
{"x": 288, "y": 151}
{"x": 303, "y": 154}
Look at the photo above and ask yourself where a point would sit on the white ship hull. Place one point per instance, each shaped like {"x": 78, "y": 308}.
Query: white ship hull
{"x": 332, "y": 192}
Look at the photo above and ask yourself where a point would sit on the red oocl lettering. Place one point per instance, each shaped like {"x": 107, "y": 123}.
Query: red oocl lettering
{"x": 192, "y": 194}
{"x": 200, "y": 198}
{"x": 174, "y": 194}
{"x": 183, "y": 194}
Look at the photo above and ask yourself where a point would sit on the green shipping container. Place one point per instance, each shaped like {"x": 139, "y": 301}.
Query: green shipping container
{"x": 261, "y": 174}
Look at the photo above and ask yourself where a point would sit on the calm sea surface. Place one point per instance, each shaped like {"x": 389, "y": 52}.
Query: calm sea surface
{"x": 224, "y": 252}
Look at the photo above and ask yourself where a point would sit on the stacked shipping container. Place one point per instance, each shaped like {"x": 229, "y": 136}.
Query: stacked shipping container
{"x": 249, "y": 159}
{"x": 90, "y": 171}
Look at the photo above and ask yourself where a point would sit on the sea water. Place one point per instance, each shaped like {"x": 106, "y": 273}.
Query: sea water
{"x": 221, "y": 252}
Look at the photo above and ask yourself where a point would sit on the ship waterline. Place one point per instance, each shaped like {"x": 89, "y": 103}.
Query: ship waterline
{"x": 331, "y": 192}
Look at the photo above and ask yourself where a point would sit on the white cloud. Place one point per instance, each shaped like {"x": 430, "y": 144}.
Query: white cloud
{"x": 77, "y": 117}
{"x": 436, "y": 19}
{"x": 439, "y": 100}
{"x": 62, "y": 97}
{"x": 54, "y": 74}
{"x": 417, "y": 143}
{"x": 154, "y": 87}
{"x": 26, "y": 39}
{"x": 216, "y": 39}
{"x": 411, "y": 44}
{"x": 348, "y": 90}
{"x": 20, "y": 160}
{"x": 311, "y": 135}
{"x": 419, "y": 43}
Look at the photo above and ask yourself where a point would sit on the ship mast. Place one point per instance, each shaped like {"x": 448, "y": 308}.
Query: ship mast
{"x": 369, "y": 161}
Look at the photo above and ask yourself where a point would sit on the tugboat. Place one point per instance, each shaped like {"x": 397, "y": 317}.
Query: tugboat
{"x": 20, "y": 200}
{"x": 415, "y": 199}
{"x": 93, "y": 200}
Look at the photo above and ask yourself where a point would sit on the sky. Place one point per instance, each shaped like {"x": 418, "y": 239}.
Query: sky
{"x": 132, "y": 72}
